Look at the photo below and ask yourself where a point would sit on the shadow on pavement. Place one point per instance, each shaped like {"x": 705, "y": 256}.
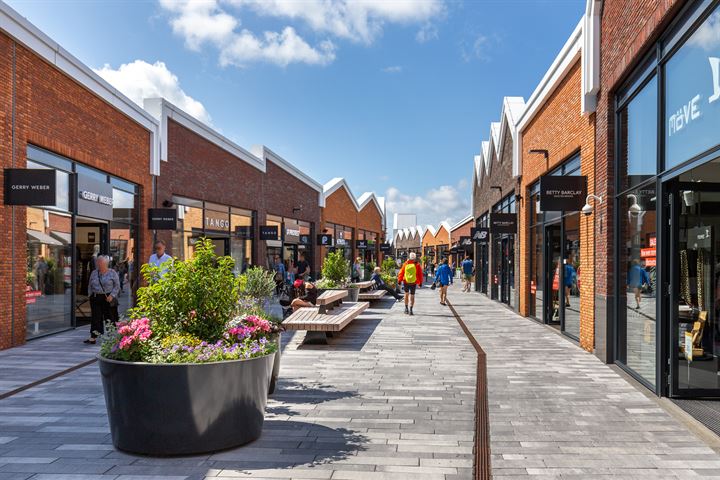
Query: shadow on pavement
{"x": 351, "y": 338}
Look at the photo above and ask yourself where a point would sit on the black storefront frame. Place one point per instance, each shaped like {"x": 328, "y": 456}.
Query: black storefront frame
{"x": 502, "y": 288}
{"x": 482, "y": 255}
{"x": 683, "y": 26}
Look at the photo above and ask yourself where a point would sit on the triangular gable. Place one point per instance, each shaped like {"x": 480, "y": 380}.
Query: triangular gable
{"x": 336, "y": 184}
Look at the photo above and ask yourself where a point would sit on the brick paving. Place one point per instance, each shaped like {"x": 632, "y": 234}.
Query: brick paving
{"x": 391, "y": 397}
{"x": 557, "y": 411}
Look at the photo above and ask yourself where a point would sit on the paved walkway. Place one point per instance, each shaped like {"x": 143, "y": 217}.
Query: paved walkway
{"x": 392, "y": 397}
{"x": 557, "y": 411}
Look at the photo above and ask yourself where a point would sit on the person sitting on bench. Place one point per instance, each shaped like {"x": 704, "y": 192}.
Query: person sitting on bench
{"x": 307, "y": 297}
{"x": 381, "y": 285}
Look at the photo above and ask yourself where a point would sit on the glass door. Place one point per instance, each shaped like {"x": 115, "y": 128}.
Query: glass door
{"x": 553, "y": 263}
{"x": 507, "y": 270}
{"x": 695, "y": 298}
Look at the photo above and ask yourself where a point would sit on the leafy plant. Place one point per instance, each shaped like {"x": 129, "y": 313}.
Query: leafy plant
{"x": 335, "y": 267}
{"x": 195, "y": 296}
{"x": 326, "y": 284}
{"x": 388, "y": 266}
{"x": 390, "y": 280}
{"x": 424, "y": 259}
{"x": 257, "y": 283}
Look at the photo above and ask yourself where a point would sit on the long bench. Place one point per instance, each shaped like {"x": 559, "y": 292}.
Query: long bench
{"x": 364, "y": 285}
{"x": 331, "y": 315}
{"x": 371, "y": 295}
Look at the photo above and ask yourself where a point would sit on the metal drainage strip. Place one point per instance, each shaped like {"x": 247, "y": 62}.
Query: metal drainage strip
{"x": 706, "y": 412}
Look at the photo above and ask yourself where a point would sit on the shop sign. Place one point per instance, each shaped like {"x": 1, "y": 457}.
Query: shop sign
{"x": 95, "y": 198}
{"x": 361, "y": 244}
{"x": 653, "y": 242}
{"x": 647, "y": 252}
{"x": 244, "y": 231}
{"x": 340, "y": 242}
{"x": 304, "y": 239}
{"x": 385, "y": 247}
{"x": 533, "y": 287}
{"x": 503, "y": 223}
{"x": 651, "y": 262}
{"x": 324, "y": 240}
{"x": 562, "y": 193}
{"x": 162, "y": 218}
{"x": 218, "y": 221}
{"x": 291, "y": 232}
{"x": 480, "y": 234}
{"x": 29, "y": 186}
{"x": 269, "y": 232}
{"x": 465, "y": 242}
{"x": 700, "y": 237}
{"x": 689, "y": 346}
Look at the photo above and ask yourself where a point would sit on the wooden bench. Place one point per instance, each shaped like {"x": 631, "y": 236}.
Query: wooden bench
{"x": 330, "y": 299}
{"x": 364, "y": 285}
{"x": 371, "y": 295}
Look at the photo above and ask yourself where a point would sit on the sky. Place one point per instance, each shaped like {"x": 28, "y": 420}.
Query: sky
{"x": 394, "y": 95}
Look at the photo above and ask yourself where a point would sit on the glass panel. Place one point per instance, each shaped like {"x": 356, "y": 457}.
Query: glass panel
{"x": 123, "y": 238}
{"x": 123, "y": 185}
{"x": 699, "y": 287}
{"x": 552, "y": 273}
{"x": 240, "y": 252}
{"x": 637, "y": 257}
{"x": 692, "y": 94}
{"x": 48, "y": 294}
{"x": 537, "y": 281}
{"x": 572, "y": 275}
{"x": 638, "y": 137}
{"x": 124, "y": 206}
{"x": 62, "y": 187}
{"x": 190, "y": 226}
{"x": 186, "y": 201}
{"x": 91, "y": 172}
{"x": 48, "y": 158}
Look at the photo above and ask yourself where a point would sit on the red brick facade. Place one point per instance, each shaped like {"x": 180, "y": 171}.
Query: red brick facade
{"x": 53, "y": 111}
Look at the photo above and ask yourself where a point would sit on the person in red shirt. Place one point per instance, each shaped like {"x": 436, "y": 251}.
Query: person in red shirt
{"x": 410, "y": 276}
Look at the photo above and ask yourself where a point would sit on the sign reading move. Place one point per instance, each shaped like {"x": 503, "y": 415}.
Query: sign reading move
{"x": 503, "y": 223}
{"x": 480, "y": 234}
{"x": 162, "y": 218}
{"x": 27, "y": 186}
{"x": 324, "y": 240}
{"x": 562, "y": 193}
{"x": 269, "y": 232}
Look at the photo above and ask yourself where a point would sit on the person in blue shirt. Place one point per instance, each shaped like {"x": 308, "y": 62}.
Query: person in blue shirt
{"x": 444, "y": 277}
{"x": 160, "y": 258}
{"x": 468, "y": 270}
{"x": 569, "y": 278}
{"x": 280, "y": 274}
{"x": 381, "y": 285}
{"x": 637, "y": 278}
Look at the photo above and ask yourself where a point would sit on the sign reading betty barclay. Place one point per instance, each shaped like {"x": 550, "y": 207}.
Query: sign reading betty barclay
{"x": 28, "y": 186}
{"x": 503, "y": 223}
{"x": 562, "y": 193}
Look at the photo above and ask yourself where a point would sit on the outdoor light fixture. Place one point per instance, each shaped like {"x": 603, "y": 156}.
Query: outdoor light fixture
{"x": 297, "y": 209}
{"x": 543, "y": 152}
{"x": 167, "y": 203}
{"x": 588, "y": 209}
{"x": 496, "y": 187}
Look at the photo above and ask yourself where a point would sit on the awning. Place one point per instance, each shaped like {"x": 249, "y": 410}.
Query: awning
{"x": 36, "y": 236}
{"x": 64, "y": 237}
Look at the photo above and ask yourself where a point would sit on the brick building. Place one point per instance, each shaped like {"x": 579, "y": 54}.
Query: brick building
{"x": 460, "y": 242}
{"x": 357, "y": 225}
{"x": 60, "y": 116}
{"x": 408, "y": 240}
{"x": 556, "y": 138}
{"x": 494, "y": 191}
{"x": 201, "y": 173}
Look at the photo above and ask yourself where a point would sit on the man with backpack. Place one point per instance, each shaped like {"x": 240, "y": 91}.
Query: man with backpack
{"x": 410, "y": 277}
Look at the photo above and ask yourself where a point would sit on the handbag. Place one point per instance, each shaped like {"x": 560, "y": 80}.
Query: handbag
{"x": 433, "y": 286}
{"x": 114, "y": 301}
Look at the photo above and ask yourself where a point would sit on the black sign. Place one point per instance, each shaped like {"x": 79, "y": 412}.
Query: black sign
{"x": 162, "y": 218}
{"x": 503, "y": 223}
{"x": 95, "y": 198}
{"x": 244, "y": 231}
{"x": 304, "y": 239}
{"x": 385, "y": 247}
{"x": 361, "y": 244}
{"x": 28, "y": 186}
{"x": 480, "y": 234}
{"x": 324, "y": 240}
{"x": 269, "y": 232}
{"x": 562, "y": 193}
{"x": 465, "y": 242}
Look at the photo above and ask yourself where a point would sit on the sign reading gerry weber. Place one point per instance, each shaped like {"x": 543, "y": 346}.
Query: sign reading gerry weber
{"x": 28, "y": 186}
{"x": 95, "y": 198}
{"x": 503, "y": 223}
{"x": 162, "y": 218}
{"x": 562, "y": 193}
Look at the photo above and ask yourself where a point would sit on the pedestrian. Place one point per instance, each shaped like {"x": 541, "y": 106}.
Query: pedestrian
{"x": 355, "y": 270}
{"x": 280, "y": 274}
{"x": 303, "y": 268}
{"x": 468, "y": 270}
{"x": 381, "y": 285}
{"x": 103, "y": 289}
{"x": 444, "y": 278}
{"x": 307, "y": 295}
{"x": 410, "y": 277}
{"x": 569, "y": 277}
{"x": 160, "y": 258}
{"x": 41, "y": 268}
{"x": 638, "y": 279}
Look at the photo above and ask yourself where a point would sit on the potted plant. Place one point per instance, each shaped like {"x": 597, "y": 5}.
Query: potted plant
{"x": 189, "y": 372}
{"x": 335, "y": 270}
{"x": 353, "y": 292}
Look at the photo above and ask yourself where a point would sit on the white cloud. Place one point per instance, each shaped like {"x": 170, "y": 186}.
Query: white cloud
{"x": 393, "y": 69}
{"x": 427, "y": 33}
{"x": 707, "y": 36}
{"x": 216, "y": 22}
{"x": 480, "y": 48}
{"x": 139, "y": 80}
{"x": 446, "y": 202}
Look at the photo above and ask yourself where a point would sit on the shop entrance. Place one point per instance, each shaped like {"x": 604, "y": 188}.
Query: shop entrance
{"x": 507, "y": 270}
{"x": 694, "y": 301}
{"x": 553, "y": 254}
{"x": 91, "y": 240}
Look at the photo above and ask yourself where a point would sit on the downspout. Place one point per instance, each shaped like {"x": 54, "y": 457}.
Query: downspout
{"x": 12, "y": 209}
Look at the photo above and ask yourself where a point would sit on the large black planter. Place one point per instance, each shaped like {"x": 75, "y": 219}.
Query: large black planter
{"x": 178, "y": 409}
{"x": 276, "y": 365}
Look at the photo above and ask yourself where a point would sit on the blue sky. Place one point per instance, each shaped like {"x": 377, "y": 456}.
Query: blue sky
{"x": 393, "y": 95}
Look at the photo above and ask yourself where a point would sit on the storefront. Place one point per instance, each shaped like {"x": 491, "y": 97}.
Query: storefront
{"x": 503, "y": 229}
{"x": 94, "y": 214}
{"x": 229, "y": 228}
{"x": 343, "y": 238}
{"x": 555, "y": 271}
{"x": 293, "y": 243}
{"x": 667, "y": 274}
{"x": 368, "y": 250}
{"x": 481, "y": 238}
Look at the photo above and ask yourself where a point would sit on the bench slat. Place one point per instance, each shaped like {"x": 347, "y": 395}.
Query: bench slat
{"x": 372, "y": 295}
{"x": 308, "y": 318}
{"x": 331, "y": 296}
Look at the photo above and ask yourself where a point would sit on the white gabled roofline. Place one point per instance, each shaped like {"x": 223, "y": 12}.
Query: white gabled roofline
{"x": 21, "y": 30}
{"x": 263, "y": 152}
{"x": 462, "y": 222}
{"x": 512, "y": 109}
{"x": 444, "y": 224}
{"x": 368, "y": 197}
{"x": 334, "y": 185}
{"x": 359, "y": 203}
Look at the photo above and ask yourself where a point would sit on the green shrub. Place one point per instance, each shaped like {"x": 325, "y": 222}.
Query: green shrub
{"x": 388, "y": 266}
{"x": 335, "y": 267}
{"x": 258, "y": 284}
{"x": 326, "y": 284}
{"x": 196, "y": 296}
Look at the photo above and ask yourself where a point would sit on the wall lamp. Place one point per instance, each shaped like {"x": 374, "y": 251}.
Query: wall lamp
{"x": 543, "y": 152}
{"x": 167, "y": 203}
{"x": 297, "y": 209}
{"x": 496, "y": 187}
{"x": 588, "y": 209}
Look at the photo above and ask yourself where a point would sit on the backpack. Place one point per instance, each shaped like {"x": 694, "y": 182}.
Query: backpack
{"x": 410, "y": 273}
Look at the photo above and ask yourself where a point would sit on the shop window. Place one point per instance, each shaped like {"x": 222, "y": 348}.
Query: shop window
{"x": 572, "y": 275}
{"x": 692, "y": 94}
{"x": 638, "y": 137}
{"x": 637, "y": 286}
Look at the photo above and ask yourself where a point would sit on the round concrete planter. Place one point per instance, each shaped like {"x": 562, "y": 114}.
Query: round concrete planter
{"x": 353, "y": 293}
{"x": 180, "y": 409}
